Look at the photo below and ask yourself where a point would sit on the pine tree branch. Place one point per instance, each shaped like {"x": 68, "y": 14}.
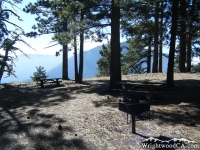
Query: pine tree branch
{"x": 12, "y": 13}
{"x": 12, "y": 23}
{"x": 28, "y": 34}
{"x": 51, "y": 46}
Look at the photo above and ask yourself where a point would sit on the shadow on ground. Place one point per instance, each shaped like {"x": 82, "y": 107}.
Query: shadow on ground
{"x": 37, "y": 130}
{"x": 24, "y": 127}
{"x": 184, "y": 98}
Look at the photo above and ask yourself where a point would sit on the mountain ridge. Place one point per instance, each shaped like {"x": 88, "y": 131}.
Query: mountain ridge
{"x": 53, "y": 65}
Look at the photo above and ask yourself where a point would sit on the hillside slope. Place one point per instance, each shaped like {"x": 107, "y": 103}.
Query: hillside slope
{"x": 90, "y": 64}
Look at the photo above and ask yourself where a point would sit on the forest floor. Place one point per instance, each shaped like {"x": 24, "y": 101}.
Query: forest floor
{"x": 31, "y": 117}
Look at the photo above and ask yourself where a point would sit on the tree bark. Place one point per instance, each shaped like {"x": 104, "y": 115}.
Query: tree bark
{"x": 161, "y": 38}
{"x": 170, "y": 69}
{"x": 75, "y": 60}
{"x": 155, "y": 58}
{"x": 182, "y": 54}
{"x": 189, "y": 43}
{"x": 80, "y": 74}
{"x": 65, "y": 63}
{"x": 3, "y": 64}
{"x": 65, "y": 57}
{"x": 115, "y": 65}
{"x": 149, "y": 56}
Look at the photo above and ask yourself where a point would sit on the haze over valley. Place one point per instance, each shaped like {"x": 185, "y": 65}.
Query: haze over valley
{"x": 25, "y": 67}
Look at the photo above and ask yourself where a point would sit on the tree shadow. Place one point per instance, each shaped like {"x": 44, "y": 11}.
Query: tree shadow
{"x": 42, "y": 129}
{"x": 23, "y": 125}
{"x": 15, "y": 97}
{"x": 184, "y": 91}
{"x": 185, "y": 96}
{"x": 178, "y": 117}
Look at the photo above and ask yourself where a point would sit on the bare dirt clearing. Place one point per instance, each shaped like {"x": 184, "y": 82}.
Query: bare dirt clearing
{"x": 86, "y": 116}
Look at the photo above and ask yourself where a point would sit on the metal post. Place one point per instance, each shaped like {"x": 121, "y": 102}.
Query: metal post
{"x": 42, "y": 85}
{"x": 133, "y": 120}
{"x": 57, "y": 82}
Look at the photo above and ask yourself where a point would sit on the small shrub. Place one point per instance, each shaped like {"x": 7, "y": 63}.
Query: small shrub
{"x": 39, "y": 74}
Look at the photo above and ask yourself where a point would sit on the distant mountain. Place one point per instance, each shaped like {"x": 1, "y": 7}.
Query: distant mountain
{"x": 25, "y": 67}
{"x": 89, "y": 67}
{"x": 53, "y": 65}
{"x": 90, "y": 64}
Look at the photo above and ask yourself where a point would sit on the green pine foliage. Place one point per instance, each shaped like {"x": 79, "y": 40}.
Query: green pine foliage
{"x": 39, "y": 74}
{"x": 195, "y": 68}
{"x": 9, "y": 37}
{"x": 8, "y": 47}
{"x": 104, "y": 61}
{"x": 134, "y": 58}
{"x": 6, "y": 61}
{"x": 146, "y": 24}
{"x": 5, "y": 14}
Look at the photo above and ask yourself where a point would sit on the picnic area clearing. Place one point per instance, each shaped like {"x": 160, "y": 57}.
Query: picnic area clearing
{"x": 86, "y": 116}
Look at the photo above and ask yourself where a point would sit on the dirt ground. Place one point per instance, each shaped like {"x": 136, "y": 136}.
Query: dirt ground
{"x": 86, "y": 116}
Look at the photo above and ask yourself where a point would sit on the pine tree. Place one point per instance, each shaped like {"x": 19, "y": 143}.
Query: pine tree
{"x": 135, "y": 58}
{"x": 39, "y": 74}
{"x": 187, "y": 33}
{"x": 139, "y": 28}
{"x": 182, "y": 50}
{"x": 170, "y": 69}
{"x": 9, "y": 38}
{"x": 76, "y": 16}
{"x": 115, "y": 64}
{"x": 161, "y": 36}
{"x": 195, "y": 68}
{"x": 49, "y": 22}
{"x": 5, "y": 15}
{"x": 155, "y": 56}
{"x": 193, "y": 28}
{"x": 7, "y": 61}
{"x": 138, "y": 23}
{"x": 104, "y": 61}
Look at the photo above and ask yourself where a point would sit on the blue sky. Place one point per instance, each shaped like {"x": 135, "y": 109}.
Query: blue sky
{"x": 27, "y": 23}
{"x": 41, "y": 42}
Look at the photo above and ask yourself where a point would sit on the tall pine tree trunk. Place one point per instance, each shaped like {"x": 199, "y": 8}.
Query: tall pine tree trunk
{"x": 182, "y": 54}
{"x": 189, "y": 43}
{"x": 160, "y": 57}
{"x": 115, "y": 65}
{"x": 170, "y": 69}
{"x": 65, "y": 63}
{"x": 161, "y": 38}
{"x": 65, "y": 57}
{"x": 149, "y": 56}
{"x": 155, "y": 58}
{"x": 75, "y": 60}
{"x": 189, "y": 53}
{"x": 80, "y": 74}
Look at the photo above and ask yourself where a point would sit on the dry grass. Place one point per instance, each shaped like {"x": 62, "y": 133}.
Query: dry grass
{"x": 30, "y": 116}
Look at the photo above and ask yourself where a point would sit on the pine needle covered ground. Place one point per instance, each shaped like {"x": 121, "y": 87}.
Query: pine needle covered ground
{"x": 86, "y": 116}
